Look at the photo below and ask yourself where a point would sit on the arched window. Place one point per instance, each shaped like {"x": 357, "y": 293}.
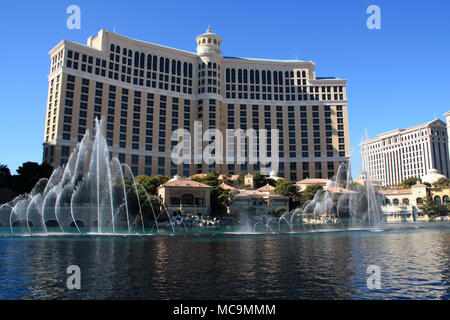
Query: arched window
{"x": 187, "y": 199}
{"x": 149, "y": 61}
{"x": 167, "y": 65}
{"x": 155, "y": 63}
{"x": 445, "y": 200}
{"x": 303, "y": 73}
{"x": 178, "y": 68}
{"x": 214, "y": 65}
{"x": 204, "y": 41}
{"x": 252, "y": 76}
{"x": 387, "y": 202}
{"x": 118, "y": 49}
{"x": 190, "y": 70}
{"x": 209, "y": 40}
{"x": 233, "y": 75}
{"x": 136, "y": 59}
{"x": 280, "y": 76}
{"x": 175, "y": 201}
{"x": 419, "y": 201}
{"x": 130, "y": 53}
{"x": 124, "y": 51}
{"x": 395, "y": 202}
{"x": 269, "y": 78}
{"x": 227, "y": 75}
{"x": 275, "y": 78}
{"x": 405, "y": 202}
{"x": 112, "y": 48}
{"x": 245, "y": 76}
{"x": 215, "y": 41}
{"x": 437, "y": 200}
{"x": 257, "y": 76}
{"x": 185, "y": 69}
{"x": 263, "y": 76}
{"x": 142, "y": 64}
{"x": 174, "y": 67}
{"x": 239, "y": 75}
{"x": 209, "y": 65}
{"x": 161, "y": 64}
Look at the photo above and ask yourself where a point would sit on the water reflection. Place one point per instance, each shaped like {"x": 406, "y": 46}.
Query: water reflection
{"x": 414, "y": 264}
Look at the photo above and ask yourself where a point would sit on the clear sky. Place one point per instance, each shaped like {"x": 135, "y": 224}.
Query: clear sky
{"x": 398, "y": 76}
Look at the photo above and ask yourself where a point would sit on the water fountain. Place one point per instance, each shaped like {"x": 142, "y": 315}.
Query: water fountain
{"x": 91, "y": 194}
{"x": 340, "y": 205}
{"x": 94, "y": 194}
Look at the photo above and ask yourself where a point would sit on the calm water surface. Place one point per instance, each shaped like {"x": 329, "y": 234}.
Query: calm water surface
{"x": 414, "y": 264}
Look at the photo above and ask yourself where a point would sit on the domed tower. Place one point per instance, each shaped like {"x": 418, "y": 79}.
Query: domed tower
{"x": 208, "y": 44}
{"x": 209, "y": 84}
{"x": 209, "y": 51}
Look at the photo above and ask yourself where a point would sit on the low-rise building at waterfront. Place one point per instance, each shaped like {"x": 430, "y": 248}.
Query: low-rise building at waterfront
{"x": 185, "y": 196}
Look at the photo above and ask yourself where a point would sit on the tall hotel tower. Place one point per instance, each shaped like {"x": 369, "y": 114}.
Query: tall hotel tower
{"x": 143, "y": 92}
{"x": 404, "y": 153}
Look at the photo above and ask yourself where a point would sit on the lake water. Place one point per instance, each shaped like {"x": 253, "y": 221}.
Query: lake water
{"x": 414, "y": 264}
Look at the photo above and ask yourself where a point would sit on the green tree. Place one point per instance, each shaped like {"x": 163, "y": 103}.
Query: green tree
{"x": 442, "y": 183}
{"x": 219, "y": 197}
{"x": 212, "y": 178}
{"x": 151, "y": 183}
{"x": 429, "y": 207}
{"x": 6, "y": 195}
{"x": 4, "y": 171}
{"x": 241, "y": 180}
{"x": 309, "y": 192}
{"x": 407, "y": 183}
{"x": 5, "y": 179}
{"x": 259, "y": 180}
{"x": 286, "y": 188}
{"x": 28, "y": 175}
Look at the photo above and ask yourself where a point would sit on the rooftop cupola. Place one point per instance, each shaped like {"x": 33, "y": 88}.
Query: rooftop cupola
{"x": 208, "y": 43}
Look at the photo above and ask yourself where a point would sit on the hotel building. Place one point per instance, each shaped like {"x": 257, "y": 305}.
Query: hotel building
{"x": 403, "y": 153}
{"x": 447, "y": 118}
{"x": 143, "y": 92}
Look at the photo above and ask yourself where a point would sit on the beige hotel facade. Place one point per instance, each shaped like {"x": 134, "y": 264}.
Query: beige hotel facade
{"x": 143, "y": 92}
{"x": 404, "y": 153}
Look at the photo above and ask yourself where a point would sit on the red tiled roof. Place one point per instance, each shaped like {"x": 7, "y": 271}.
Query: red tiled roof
{"x": 250, "y": 193}
{"x": 224, "y": 186}
{"x": 339, "y": 190}
{"x": 313, "y": 181}
{"x": 395, "y": 191}
{"x": 266, "y": 188}
{"x": 184, "y": 183}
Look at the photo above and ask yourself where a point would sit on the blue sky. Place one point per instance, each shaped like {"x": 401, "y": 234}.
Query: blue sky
{"x": 398, "y": 76}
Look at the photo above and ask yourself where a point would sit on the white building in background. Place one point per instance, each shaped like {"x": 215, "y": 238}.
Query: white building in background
{"x": 447, "y": 117}
{"x": 403, "y": 153}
